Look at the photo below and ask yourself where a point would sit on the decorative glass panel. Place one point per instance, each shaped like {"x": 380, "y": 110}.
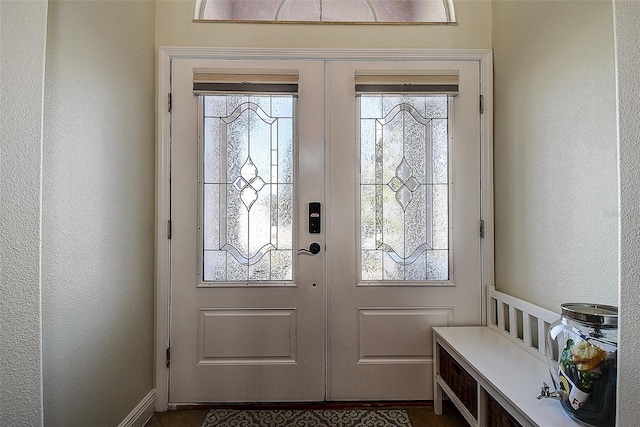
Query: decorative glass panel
{"x": 356, "y": 11}
{"x": 404, "y": 191}
{"x": 248, "y": 188}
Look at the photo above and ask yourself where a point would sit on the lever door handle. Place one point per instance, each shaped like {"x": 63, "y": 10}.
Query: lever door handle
{"x": 314, "y": 249}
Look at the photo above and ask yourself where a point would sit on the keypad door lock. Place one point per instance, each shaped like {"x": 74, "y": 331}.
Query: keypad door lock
{"x": 314, "y": 217}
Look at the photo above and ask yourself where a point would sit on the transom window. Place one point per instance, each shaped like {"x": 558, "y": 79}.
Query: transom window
{"x": 319, "y": 11}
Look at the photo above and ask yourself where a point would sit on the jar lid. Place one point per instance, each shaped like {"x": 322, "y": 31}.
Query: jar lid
{"x": 592, "y": 314}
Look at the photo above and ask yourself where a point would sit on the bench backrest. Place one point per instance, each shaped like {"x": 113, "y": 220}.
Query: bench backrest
{"x": 520, "y": 321}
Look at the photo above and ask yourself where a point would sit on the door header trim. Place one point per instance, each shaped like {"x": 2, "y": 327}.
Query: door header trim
{"x": 323, "y": 54}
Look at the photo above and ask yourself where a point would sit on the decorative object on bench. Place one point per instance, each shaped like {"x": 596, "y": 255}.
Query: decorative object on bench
{"x": 581, "y": 352}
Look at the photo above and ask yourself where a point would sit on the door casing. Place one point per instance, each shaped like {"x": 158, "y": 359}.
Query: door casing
{"x": 163, "y": 247}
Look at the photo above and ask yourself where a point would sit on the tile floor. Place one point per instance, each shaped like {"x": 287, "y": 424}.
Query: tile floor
{"x": 421, "y": 415}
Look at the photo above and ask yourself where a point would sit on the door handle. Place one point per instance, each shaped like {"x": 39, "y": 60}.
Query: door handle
{"x": 314, "y": 249}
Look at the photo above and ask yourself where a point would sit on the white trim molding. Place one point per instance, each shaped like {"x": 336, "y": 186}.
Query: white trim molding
{"x": 143, "y": 411}
{"x": 163, "y": 249}
{"x": 486, "y": 153}
{"x": 167, "y": 53}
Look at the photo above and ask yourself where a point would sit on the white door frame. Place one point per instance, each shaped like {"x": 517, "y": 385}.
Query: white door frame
{"x": 163, "y": 248}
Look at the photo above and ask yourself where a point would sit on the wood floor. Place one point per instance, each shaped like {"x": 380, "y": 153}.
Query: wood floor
{"x": 421, "y": 414}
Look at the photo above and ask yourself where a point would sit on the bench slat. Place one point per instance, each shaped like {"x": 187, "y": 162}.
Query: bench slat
{"x": 499, "y": 303}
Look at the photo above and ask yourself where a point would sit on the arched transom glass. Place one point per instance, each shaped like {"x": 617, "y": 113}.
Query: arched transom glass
{"x": 355, "y": 11}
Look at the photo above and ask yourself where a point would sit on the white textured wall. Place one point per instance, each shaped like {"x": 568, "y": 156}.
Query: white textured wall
{"x": 555, "y": 155}
{"x": 98, "y": 173}
{"x": 627, "y": 16}
{"x": 98, "y": 211}
{"x": 22, "y": 49}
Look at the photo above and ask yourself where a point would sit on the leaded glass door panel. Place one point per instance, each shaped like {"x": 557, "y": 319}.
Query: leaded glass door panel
{"x": 247, "y": 193}
{"x": 404, "y": 191}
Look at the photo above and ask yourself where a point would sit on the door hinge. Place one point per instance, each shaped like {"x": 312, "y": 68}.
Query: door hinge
{"x": 169, "y": 101}
{"x": 481, "y": 104}
{"x": 169, "y": 229}
{"x": 168, "y": 356}
{"x": 482, "y": 228}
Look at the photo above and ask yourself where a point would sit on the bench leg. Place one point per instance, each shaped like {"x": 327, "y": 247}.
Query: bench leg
{"x": 437, "y": 390}
{"x": 437, "y": 399}
{"x": 482, "y": 408}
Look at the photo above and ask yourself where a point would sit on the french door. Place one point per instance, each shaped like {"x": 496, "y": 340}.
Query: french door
{"x": 319, "y": 231}
{"x": 403, "y": 247}
{"x": 247, "y": 308}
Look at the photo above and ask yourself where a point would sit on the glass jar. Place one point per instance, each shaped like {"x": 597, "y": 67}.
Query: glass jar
{"x": 582, "y": 349}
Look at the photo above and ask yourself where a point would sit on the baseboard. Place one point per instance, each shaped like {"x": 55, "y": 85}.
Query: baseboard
{"x": 139, "y": 416}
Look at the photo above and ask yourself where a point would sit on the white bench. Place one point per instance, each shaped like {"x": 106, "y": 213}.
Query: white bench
{"x": 493, "y": 373}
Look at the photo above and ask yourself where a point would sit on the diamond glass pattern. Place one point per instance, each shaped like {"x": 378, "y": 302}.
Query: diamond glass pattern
{"x": 404, "y": 184}
{"x": 249, "y": 183}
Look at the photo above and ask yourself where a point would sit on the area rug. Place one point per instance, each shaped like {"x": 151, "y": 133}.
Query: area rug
{"x": 307, "y": 418}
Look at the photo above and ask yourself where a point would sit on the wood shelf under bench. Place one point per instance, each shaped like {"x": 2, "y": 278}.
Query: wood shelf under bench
{"x": 493, "y": 373}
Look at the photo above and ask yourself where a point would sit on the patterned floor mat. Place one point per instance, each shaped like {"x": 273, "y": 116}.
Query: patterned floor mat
{"x": 307, "y": 418}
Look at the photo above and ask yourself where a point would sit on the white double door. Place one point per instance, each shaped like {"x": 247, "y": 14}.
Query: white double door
{"x": 325, "y": 333}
